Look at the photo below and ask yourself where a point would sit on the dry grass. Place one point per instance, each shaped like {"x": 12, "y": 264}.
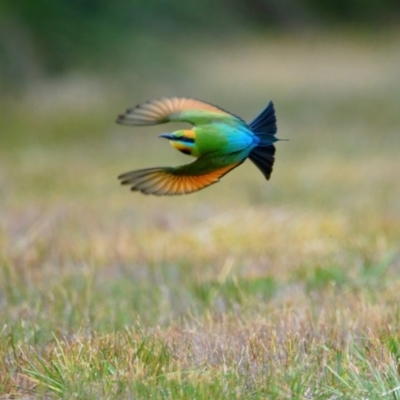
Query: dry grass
{"x": 285, "y": 289}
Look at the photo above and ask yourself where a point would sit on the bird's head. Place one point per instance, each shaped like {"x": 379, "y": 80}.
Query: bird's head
{"x": 183, "y": 140}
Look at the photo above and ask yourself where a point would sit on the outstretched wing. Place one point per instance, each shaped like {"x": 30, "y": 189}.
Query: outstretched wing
{"x": 179, "y": 109}
{"x": 185, "y": 179}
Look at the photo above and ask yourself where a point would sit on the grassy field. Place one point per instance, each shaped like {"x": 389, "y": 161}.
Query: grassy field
{"x": 246, "y": 290}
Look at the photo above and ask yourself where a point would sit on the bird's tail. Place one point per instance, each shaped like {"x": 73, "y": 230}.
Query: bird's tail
{"x": 264, "y": 127}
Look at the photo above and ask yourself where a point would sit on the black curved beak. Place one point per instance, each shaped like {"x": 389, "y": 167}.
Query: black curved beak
{"x": 167, "y": 136}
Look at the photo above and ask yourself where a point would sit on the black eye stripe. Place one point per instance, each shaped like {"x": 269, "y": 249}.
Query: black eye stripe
{"x": 185, "y": 139}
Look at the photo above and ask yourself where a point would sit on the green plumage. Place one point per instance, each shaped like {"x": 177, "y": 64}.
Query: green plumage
{"x": 219, "y": 140}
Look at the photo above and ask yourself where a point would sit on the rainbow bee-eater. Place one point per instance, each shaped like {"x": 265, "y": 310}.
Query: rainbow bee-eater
{"x": 220, "y": 141}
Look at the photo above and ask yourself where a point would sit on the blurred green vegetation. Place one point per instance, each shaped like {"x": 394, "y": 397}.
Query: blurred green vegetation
{"x": 50, "y": 37}
{"x": 248, "y": 289}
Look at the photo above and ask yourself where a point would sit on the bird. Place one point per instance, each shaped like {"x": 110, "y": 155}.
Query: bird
{"x": 219, "y": 140}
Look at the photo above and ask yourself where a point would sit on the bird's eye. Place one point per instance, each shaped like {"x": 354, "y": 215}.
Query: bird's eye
{"x": 186, "y": 139}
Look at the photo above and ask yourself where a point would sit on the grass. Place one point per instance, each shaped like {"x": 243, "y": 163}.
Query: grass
{"x": 246, "y": 290}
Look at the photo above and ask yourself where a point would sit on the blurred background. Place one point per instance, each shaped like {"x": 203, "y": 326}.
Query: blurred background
{"x": 67, "y": 68}
{"x": 143, "y": 39}
{"x": 309, "y": 258}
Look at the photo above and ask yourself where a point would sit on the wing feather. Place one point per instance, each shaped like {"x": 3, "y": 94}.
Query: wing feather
{"x": 172, "y": 181}
{"x": 181, "y": 109}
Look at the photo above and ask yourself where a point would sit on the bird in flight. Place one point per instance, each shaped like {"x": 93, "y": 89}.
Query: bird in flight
{"x": 220, "y": 141}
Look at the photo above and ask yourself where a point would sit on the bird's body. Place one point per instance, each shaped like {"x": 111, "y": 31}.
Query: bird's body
{"x": 219, "y": 140}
